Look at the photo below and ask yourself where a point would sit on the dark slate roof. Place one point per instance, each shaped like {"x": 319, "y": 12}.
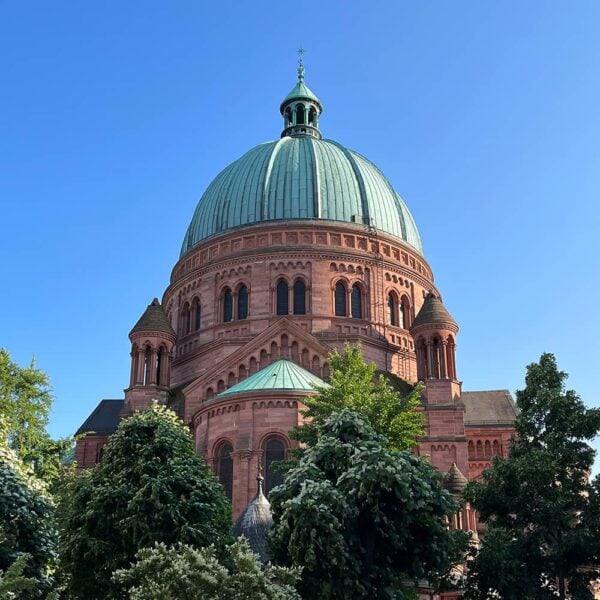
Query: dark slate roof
{"x": 489, "y": 407}
{"x": 254, "y": 524}
{"x": 153, "y": 319}
{"x": 433, "y": 312}
{"x": 105, "y": 418}
{"x": 454, "y": 480}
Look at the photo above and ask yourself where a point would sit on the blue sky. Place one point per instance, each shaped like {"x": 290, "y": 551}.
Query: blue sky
{"x": 116, "y": 116}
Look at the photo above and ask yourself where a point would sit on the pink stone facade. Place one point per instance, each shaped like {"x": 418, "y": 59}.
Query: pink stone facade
{"x": 207, "y": 354}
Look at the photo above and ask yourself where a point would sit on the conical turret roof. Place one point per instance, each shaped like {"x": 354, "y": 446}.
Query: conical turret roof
{"x": 255, "y": 521}
{"x": 154, "y": 319}
{"x": 454, "y": 480}
{"x": 433, "y": 312}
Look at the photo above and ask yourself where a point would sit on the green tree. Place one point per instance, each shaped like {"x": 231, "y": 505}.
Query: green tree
{"x": 13, "y": 582}
{"x": 356, "y": 385}
{"x": 172, "y": 573}
{"x": 27, "y": 534}
{"x": 25, "y": 402}
{"x": 361, "y": 519}
{"x": 150, "y": 487}
{"x": 540, "y": 508}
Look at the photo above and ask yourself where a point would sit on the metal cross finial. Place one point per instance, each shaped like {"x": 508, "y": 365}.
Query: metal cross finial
{"x": 301, "y": 64}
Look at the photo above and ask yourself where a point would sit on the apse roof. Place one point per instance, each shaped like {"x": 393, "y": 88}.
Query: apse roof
{"x": 282, "y": 375}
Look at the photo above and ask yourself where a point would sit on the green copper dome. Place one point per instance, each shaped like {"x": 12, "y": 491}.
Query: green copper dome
{"x": 300, "y": 176}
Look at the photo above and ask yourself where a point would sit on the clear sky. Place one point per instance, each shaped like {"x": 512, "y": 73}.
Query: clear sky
{"x": 115, "y": 116}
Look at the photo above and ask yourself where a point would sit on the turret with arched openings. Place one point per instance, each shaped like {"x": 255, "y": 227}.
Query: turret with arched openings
{"x": 301, "y": 109}
{"x": 152, "y": 340}
{"x": 434, "y": 332}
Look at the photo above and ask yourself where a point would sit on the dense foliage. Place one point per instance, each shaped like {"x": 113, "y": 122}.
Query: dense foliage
{"x": 354, "y": 384}
{"x": 173, "y": 573}
{"x": 541, "y": 510}
{"x": 27, "y": 535}
{"x": 25, "y": 402}
{"x": 361, "y": 519}
{"x": 150, "y": 487}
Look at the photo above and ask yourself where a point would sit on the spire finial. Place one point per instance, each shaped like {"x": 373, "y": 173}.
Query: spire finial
{"x": 259, "y": 478}
{"x": 301, "y": 64}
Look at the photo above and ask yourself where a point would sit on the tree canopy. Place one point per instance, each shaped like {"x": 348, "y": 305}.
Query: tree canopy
{"x": 25, "y": 402}
{"x": 539, "y": 506}
{"x": 361, "y": 519}
{"x": 172, "y": 573}
{"x": 150, "y": 487}
{"x": 27, "y": 535}
{"x": 356, "y": 385}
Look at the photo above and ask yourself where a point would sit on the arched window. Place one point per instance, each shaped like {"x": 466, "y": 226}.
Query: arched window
{"x": 282, "y": 298}
{"x": 225, "y": 468}
{"x": 392, "y": 309}
{"x": 404, "y": 313}
{"x": 356, "y": 302}
{"x": 184, "y": 323}
{"x": 299, "y": 297}
{"x": 147, "y": 365}
{"x": 227, "y": 306}
{"x": 300, "y": 114}
{"x": 340, "y": 299}
{"x": 274, "y": 451}
{"x": 312, "y": 117}
{"x": 288, "y": 117}
{"x": 159, "y": 363}
{"x": 197, "y": 315}
{"x": 242, "y": 298}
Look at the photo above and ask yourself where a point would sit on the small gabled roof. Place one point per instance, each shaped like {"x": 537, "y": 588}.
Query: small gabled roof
{"x": 433, "y": 312}
{"x": 104, "y": 420}
{"x": 153, "y": 319}
{"x": 282, "y": 375}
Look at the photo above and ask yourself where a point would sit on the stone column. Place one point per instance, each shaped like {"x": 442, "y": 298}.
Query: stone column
{"x": 430, "y": 361}
{"x": 140, "y": 366}
{"x": 442, "y": 353}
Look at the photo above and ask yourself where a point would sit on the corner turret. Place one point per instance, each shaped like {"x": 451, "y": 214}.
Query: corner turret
{"x": 152, "y": 341}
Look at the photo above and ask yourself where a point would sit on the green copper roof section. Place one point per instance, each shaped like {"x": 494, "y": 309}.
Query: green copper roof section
{"x": 300, "y": 178}
{"x": 299, "y": 92}
{"x": 282, "y": 375}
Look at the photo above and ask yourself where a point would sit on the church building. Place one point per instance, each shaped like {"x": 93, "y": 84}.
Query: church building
{"x": 295, "y": 249}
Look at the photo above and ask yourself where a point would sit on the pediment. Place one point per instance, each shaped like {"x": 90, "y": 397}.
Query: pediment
{"x": 283, "y": 338}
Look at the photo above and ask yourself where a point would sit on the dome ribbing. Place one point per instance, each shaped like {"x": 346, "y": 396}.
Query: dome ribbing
{"x": 300, "y": 178}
